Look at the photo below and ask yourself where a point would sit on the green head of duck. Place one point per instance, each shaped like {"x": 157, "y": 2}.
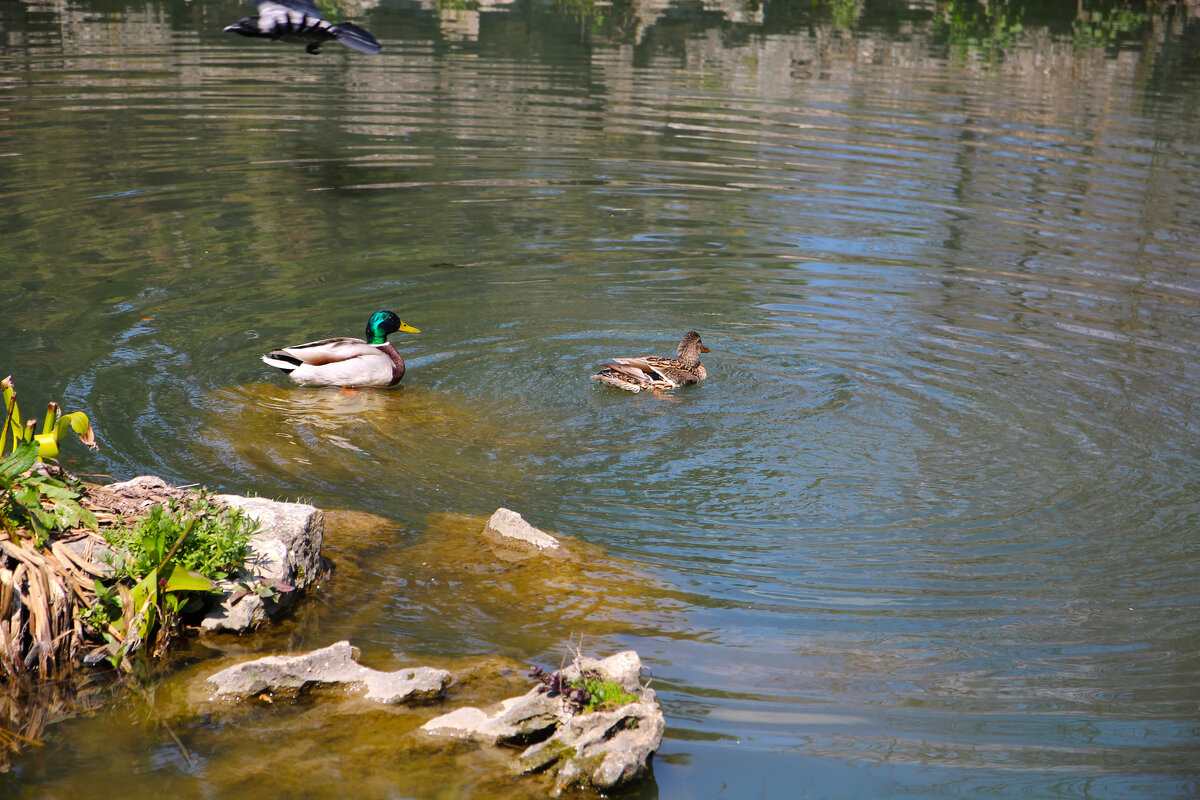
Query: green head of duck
{"x": 384, "y": 323}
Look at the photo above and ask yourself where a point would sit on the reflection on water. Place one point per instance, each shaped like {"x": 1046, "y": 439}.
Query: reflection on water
{"x": 335, "y": 435}
{"x": 928, "y": 528}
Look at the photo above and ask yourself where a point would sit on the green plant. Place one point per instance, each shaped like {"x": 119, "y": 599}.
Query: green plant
{"x": 265, "y": 591}
{"x": 845, "y": 13}
{"x": 172, "y": 557}
{"x": 217, "y": 545}
{"x": 36, "y": 501}
{"x": 105, "y": 608}
{"x": 984, "y": 31}
{"x": 54, "y": 426}
{"x": 603, "y": 693}
{"x": 591, "y": 691}
{"x": 1104, "y": 27}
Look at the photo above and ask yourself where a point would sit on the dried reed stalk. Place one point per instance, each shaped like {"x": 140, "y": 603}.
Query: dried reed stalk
{"x": 40, "y": 604}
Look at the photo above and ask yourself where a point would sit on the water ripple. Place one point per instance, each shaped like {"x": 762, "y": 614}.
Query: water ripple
{"x": 933, "y": 512}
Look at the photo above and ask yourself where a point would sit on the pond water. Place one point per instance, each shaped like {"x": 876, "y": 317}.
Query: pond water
{"x": 929, "y": 529}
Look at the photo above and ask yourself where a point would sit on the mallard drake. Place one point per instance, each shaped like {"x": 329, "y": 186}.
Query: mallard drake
{"x": 345, "y": 361}
{"x": 657, "y": 372}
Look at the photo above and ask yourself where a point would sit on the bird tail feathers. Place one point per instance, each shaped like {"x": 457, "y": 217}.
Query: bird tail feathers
{"x": 351, "y": 35}
{"x": 281, "y": 360}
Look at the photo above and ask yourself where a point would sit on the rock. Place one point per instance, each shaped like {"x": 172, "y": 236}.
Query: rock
{"x": 516, "y": 720}
{"x": 462, "y": 723}
{"x": 331, "y": 665}
{"x": 147, "y": 488}
{"x": 625, "y": 668}
{"x": 134, "y": 497}
{"x": 140, "y": 483}
{"x": 286, "y": 550}
{"x": 516, "y": 538}
{"x": 601, "y": 750}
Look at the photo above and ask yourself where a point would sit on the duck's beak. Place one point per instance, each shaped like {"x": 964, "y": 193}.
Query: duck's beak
{"x": 406, "y": 328}
{"x": 704, "y": 349}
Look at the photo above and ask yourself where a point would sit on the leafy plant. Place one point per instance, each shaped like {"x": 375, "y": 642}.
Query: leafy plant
{"x": 982, "y": 30}
{"x": 1104, "y": 27}
{"x": 105, "y": 608}
{"x": 54, "y": 426}
{"x": 265, "y": 591}
{"x": 591, "y": 691}
{"x": 36, "y": 501}
{"x": 172, "y": 557}
{"x": 845, "y": 13}
{"x": 216, "y": 547}
{"x": 604, "y": 693}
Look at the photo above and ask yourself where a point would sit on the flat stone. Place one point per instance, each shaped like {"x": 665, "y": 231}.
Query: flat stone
{"x": 135, "y": 496}
{"x": 285, "y": 550}
{"x": 518, "y": 538}
{"x": 461, "y": 723}
{"x": 514, "y": 720}
{"x": 336, "y": 664}
{"x": 141, "y": 484}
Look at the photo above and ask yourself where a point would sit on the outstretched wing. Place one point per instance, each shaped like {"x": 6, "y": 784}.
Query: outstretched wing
{"x": 351, "y": 35}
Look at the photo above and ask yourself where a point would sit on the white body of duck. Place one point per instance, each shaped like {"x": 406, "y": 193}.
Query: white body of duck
{"x": 657, "y": 372}
{"x": 346, "y": 361}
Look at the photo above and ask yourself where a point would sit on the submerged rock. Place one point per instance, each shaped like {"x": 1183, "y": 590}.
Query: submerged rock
{"x": 601, "y": 750}
{"x": 336, "y": 664}
{"x": 514, "y": 538}
{"x": 285, "y": 558}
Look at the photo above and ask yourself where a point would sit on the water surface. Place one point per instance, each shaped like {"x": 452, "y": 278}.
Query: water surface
{"x": 929, "y": 528}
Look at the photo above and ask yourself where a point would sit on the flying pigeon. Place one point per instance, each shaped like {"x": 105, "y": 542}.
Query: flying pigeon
{"x": 300, "y": 21}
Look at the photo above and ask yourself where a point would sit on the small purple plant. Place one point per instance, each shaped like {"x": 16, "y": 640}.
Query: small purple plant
{"x": 555, "y": 684}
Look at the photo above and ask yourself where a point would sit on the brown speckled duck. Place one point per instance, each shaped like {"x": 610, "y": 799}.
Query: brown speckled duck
{"x": 657, "y": 372}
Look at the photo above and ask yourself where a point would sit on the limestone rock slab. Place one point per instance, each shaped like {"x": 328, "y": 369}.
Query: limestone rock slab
{"x": 336, "y": 664}
{"x": 512, "y": 721}
{"x": 514, "y": 538}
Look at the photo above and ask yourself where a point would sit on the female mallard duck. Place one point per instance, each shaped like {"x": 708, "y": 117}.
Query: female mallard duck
{"x": 657, "y": 372}
{"x": 345, "y": 361}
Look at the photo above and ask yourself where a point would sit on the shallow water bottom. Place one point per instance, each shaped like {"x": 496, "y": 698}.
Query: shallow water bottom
{"x": 322, "y": 742}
